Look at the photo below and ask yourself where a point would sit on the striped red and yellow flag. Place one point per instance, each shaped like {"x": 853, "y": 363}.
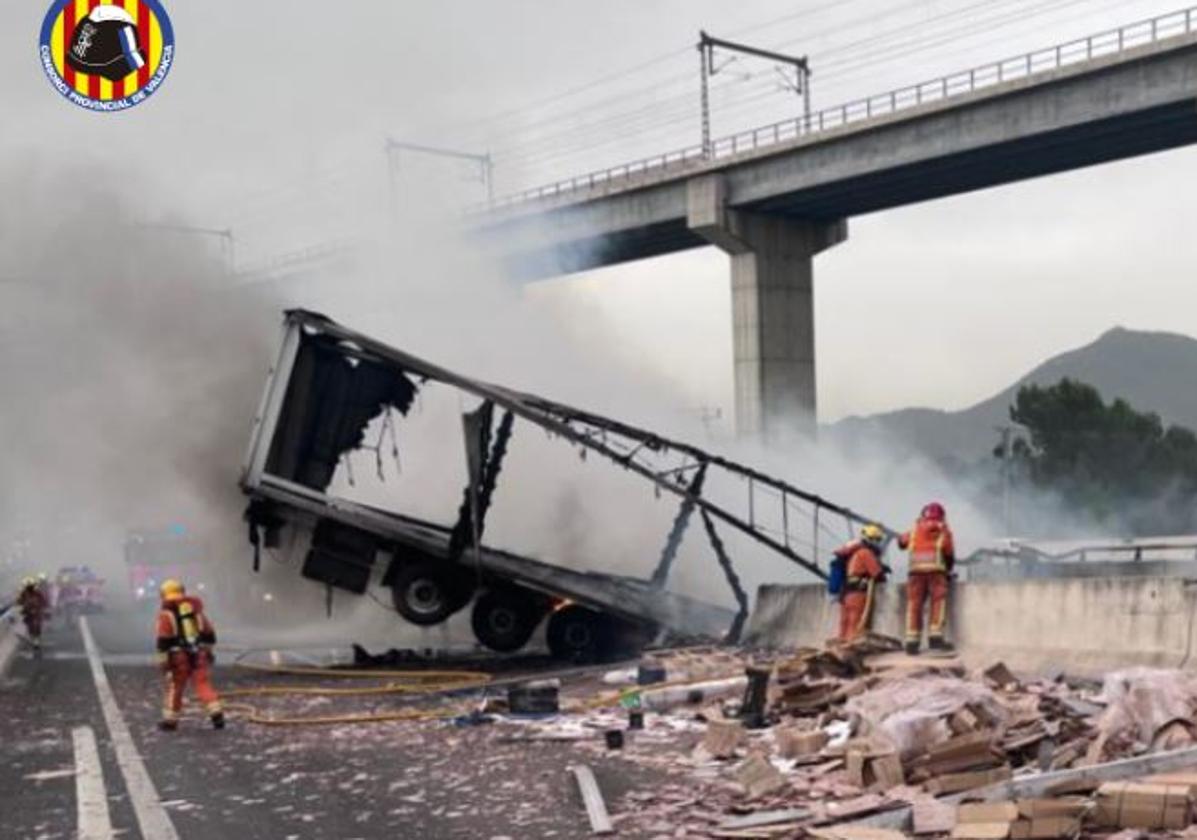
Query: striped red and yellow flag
{"x": 149, "y": 36}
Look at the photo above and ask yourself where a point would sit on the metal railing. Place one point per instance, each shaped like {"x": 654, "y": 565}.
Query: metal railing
{"x": 282, "y": 262}
{"x": 963, "y": 83}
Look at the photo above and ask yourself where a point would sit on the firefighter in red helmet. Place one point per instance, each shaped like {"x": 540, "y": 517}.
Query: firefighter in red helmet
{"x": 932, "y": 556}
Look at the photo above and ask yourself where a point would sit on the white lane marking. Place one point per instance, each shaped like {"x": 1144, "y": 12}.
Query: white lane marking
{"x": 152, "y": 818}
{"x": 91, "y": 798}
{"x": 8, "y": 643}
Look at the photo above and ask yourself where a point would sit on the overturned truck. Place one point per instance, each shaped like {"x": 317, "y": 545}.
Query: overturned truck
{"x": 330, "y": 384}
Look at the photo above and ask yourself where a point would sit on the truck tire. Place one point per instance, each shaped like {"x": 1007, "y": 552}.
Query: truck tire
{"x": 576, "y": 634}
{"x": 626, "y": 639}
{"x": 428, "y": 593}
{"x": 505, "y": 618}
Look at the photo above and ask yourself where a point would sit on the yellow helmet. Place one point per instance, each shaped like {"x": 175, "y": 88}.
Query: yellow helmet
{"x": 172, "y": 590}
{"x": 873, "y": 533}
{"x": 28, "y": 582}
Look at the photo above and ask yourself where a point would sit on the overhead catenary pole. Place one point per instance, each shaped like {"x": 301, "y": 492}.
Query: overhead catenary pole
{"x": 707, "y": 45}
{"x": 228, "y": 242}
{"x": 485, "y": 163}
{"x": 704, "y": 54}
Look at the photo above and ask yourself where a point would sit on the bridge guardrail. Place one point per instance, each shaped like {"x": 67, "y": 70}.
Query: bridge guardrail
{"x": 1069, "y": 53}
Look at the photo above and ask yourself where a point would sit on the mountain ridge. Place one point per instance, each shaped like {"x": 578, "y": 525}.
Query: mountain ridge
{"x": 1152, "y": 370}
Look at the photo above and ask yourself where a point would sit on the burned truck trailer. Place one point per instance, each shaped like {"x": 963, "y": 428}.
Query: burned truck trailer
{"x": 330, "y": 384}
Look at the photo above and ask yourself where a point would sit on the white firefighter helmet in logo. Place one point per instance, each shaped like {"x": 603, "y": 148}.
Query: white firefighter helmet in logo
{"x": 106, "y": 44}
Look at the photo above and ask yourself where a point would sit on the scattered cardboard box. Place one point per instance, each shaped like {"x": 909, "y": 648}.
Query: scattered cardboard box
{"x": 1187, "y": 779}
{"x": 960, "y": 782}
{"x": 887, "y": 771}
{"x": 970, "y": 751}
{"x": 852, "y": 808}
{"x": 758, "y": 776}
{"x": 1045, "y": 828}
{"x": 963, "y": 722}
{"x": 722, "y": 738}
{"x": 1027, "y": 819}
{"x": 872, "y": 764}
{"x": 1072, "y": 806}
{"x": 855, "y": 832}
{"x": 1137, "y": 805}
{"x": 981, "y": 831}
{"x": 986, "y": 812}
{"x": 931, "y": 816}
{"x": 799, "y": 743}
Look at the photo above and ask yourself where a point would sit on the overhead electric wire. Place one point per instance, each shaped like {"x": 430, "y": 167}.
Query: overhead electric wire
{"x": 906, "y": 48}
{"x": 688, "y": 76}
{"x": 855, "y": 67}
{"x": 915, "y": 46}
{"x": 902, "y": 49}
{"x": 678, "y": 107}
{"x": 521, "y": 110}
{"x": 647, "y": 121}
{"x": 886, "y": 53}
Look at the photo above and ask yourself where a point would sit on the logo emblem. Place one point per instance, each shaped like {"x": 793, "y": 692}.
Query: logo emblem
{"x": 107, "y": 55}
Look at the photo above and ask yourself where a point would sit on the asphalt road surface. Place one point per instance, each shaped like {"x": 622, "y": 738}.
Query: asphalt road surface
{"x": 414, "y": 779}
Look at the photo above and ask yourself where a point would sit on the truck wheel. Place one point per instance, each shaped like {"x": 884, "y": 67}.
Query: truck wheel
{"x": 504, "y": 619}
{"x": 576, "y": 633}
{"x": 427, "y": 593}
{"x": 626, "y": 639}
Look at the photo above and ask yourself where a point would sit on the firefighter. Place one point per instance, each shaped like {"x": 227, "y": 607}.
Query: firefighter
{"x": 185, "y": 641}
{"x": 932, "y": 556}
{"x": 863, "y": 571}
{"x": 33, "y": 609}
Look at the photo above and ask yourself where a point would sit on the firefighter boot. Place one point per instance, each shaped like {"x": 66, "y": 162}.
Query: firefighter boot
{"x": 168, "y": 725}
{"x": 940, "y": 644}
{"x": 912, "y": 648}
{"x": 218, "y": 720}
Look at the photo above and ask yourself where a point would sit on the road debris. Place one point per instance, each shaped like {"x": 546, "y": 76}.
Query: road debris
{"x": 592, "y": 798}
{"x": 854, "y": 737}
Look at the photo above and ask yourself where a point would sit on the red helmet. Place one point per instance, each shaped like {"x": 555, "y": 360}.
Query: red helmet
{"x": 934, "y": 511}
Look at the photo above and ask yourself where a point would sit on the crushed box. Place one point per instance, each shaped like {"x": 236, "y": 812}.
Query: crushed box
{"x": 793, "y": 742}
{"x": 1137, "y": 805}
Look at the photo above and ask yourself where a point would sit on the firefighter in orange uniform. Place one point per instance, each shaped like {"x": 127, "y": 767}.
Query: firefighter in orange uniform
{"x": 34, "y": 607}
{"x": 862, "y": 574}
{"x": 185, "y": 641}
{"x": 932, "y": 556}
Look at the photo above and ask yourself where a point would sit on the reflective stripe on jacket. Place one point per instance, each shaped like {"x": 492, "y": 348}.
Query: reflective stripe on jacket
{"x": 930, "y": 545}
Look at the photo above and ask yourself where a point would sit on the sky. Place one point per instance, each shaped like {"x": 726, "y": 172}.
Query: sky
{"x": 270, "y": 124}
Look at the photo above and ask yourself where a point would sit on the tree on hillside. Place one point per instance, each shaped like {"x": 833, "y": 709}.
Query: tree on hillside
{"x": 1107, "y": 460}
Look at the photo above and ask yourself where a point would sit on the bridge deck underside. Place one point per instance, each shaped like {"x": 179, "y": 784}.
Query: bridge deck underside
{"x": 1152, "y": 130}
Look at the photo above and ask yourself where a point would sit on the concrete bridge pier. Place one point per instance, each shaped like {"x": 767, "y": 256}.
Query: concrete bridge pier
{"x": 773, "y": 318}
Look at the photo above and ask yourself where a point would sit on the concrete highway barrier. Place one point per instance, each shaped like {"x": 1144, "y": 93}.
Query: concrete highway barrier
{"x": 1076, "y": 625}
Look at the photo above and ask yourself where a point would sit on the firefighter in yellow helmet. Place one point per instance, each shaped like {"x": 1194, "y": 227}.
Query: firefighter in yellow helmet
{"x": 186, "y": 638}
{"x": 863, "y": 570}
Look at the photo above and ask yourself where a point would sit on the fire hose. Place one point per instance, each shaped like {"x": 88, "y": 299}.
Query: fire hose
{"x": 410, "y": 684}
{"x": 414, "y": 684}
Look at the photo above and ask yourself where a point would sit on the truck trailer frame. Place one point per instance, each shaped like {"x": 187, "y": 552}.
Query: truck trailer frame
{"x": 330, "y": 382}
